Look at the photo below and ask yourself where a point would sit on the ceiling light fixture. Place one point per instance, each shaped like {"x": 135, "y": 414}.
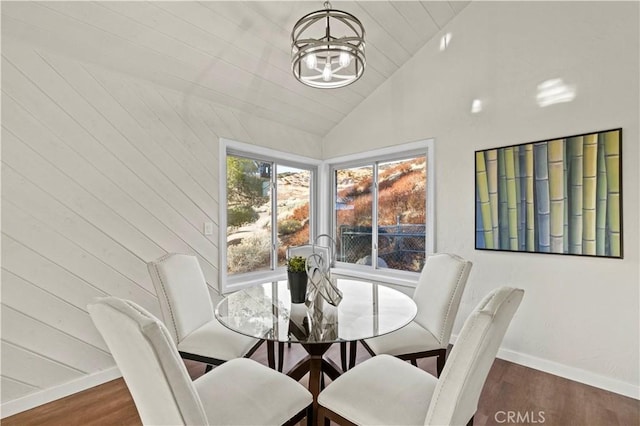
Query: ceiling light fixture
{"x": 320, "y": 58}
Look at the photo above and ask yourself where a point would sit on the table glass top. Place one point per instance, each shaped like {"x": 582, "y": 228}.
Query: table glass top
{"x": 366, "y": 310}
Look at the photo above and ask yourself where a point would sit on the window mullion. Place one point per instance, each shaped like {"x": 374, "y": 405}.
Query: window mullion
{"x": 274, "y": 216}
{"x": 374, "y": 219}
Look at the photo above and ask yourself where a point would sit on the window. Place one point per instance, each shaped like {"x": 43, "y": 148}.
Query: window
{"x": 382, "y": 210}
{"x": 269, "y": 199}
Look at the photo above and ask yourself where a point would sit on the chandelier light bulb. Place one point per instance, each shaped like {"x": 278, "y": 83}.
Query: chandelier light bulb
{"x": 326, "y": 72}
{"x": 311, "y": 61}
{"x": 345, "y": 59}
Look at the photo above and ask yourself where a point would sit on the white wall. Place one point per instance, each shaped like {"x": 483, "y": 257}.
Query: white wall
{"x": 580, "y": 316}
{"x": 100, "y": 174}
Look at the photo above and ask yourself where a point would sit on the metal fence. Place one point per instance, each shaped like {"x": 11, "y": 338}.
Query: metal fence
{"x": 399, "y": 246}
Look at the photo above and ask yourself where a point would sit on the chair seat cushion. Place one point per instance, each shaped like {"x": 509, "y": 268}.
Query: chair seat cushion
{"x": 409, "y": 339}
{"x": 244, "y": 392}
{"x": 214, "y": 340}
{"x": 397, "y": 393}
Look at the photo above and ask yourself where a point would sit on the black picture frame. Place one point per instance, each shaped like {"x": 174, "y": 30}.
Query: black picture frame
{"x": 556, "y": 196}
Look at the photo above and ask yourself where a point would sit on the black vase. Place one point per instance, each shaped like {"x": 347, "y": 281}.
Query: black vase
{"x": 297, "y": 286}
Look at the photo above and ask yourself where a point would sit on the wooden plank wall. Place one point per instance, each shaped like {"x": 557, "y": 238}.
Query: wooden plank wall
{"x": 100, "y": 174}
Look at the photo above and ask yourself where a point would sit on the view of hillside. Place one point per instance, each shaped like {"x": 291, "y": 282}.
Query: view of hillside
{"x": 401, "y": 217}
{"x": 401, "y": 214}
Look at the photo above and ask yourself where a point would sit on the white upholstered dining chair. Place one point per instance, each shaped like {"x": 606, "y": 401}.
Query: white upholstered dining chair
{"x": 187, "y": 311}
{"x": 385, "y": 390}
{"x": 437, "y": 295}
{"x": 239, "y": 392}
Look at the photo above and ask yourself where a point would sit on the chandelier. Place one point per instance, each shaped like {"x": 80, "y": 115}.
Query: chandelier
{"x": 327, "y": 48}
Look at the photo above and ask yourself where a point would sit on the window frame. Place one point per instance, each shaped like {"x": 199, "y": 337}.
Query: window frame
{"x": 229, "y": 283}
{"x": 372, "y": 158}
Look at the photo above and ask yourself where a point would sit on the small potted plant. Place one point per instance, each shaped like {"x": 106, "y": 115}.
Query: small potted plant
{"x": 297, "y": 277}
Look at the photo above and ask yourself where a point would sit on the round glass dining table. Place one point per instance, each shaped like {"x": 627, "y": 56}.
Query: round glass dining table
{"x": 366, "y": 310}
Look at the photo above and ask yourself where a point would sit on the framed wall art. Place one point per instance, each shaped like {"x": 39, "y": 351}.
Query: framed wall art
{"x": 560, "y": 196}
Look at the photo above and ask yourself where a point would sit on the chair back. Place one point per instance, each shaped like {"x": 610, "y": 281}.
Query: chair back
{"x": 438, "y": 293}
{"x": 455, "y": 398}
{"x": 326, "y": 252}
{"x": 307, "y": 250}
{"x": 149, "y": 362}
{"x": 182, "y": 292}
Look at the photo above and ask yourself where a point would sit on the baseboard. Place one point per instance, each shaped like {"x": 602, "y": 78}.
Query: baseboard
{"x": 36, "y": 399}
{"x": 571, "y": 373}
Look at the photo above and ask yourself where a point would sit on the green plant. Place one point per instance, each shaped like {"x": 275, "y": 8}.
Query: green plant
{"x": 250, "y": 254}
{"x": 289, "y": 226}
{"x": 296, "y": 264}
{"x": 244, "y": 184}
{"x": 239, "y": 215}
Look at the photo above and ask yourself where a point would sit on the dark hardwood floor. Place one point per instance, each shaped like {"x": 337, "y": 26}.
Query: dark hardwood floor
{"x": 513, "y": 394}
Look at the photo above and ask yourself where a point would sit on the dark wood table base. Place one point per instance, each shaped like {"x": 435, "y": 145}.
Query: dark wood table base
{"x": 316, "y": 365}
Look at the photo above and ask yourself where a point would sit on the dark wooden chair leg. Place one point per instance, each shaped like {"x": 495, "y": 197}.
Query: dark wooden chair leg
{"x": 208, "y": 368}
{"x": 323, "y": 419}
{"x": 271, "y": 356}
{"x": 281, "y": 356}
{"x": 440, "y": 360}
{"x": 470, "y": 421}
{"x": 353, "y": 351}
{"x": 414, "y": 362}
{"x": 310, "y": 415}
{"x": 343, "y": 355}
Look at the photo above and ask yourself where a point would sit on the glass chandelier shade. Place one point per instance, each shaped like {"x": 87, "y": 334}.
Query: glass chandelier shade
{"x": 327, "y": 49}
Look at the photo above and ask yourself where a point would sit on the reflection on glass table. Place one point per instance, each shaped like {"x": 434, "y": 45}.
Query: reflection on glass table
{"x": 266, "y": 312}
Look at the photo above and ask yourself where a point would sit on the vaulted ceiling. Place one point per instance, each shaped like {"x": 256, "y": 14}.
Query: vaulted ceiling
{"x": 234, "y": 53}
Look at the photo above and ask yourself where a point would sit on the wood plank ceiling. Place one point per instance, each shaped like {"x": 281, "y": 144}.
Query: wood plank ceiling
{"x": 234, "y": 53}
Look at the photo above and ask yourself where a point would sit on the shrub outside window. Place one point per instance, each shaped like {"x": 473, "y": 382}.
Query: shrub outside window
{"x": 268, "y": 209}
{"x": 381, "y": 215}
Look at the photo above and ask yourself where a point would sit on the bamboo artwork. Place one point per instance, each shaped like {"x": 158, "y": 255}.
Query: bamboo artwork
{"x": 556, "y": 196}
{"x": 575, "y": 148}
